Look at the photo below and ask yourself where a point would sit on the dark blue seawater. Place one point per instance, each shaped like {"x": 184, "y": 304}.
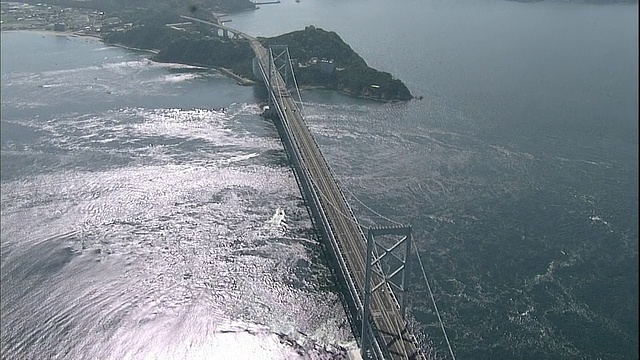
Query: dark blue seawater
{"x": 138, "y": 216}
{"x": 518, "y": 170}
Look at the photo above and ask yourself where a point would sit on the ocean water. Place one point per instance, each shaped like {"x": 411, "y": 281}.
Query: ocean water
{"x": 518, "y": 170}
{"x": 140, "y": 200}
{"x": 139, "y": 215}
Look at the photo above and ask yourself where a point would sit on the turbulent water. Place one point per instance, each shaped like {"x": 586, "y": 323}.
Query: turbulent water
{"x": 141, "y": 202}
{"x": 140, "y": 222}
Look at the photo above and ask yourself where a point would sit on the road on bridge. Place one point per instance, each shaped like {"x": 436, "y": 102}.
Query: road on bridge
{"x": 385, "y": 310}
{"x": 350, "y": 239}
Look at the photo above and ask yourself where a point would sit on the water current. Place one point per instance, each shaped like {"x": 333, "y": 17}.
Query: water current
{"x": 142, "y": 202}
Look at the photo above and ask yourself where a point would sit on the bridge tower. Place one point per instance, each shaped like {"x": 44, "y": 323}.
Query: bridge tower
{"x": 279, "y": 57}
{"x": 279, "y": 62}
{"x": 387, "y": 260}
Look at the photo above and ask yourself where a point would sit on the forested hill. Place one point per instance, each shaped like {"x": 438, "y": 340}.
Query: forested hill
{"x": 352, "y": 75}
{"x": 313, "y": 41}
{"x": 336, "y": 65}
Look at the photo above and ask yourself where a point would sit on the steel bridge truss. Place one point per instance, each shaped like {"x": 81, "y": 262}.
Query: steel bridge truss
{"x": 384, "y": 264}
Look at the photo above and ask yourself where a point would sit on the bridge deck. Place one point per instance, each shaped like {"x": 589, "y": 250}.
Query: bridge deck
{"x": 350, "y": 240}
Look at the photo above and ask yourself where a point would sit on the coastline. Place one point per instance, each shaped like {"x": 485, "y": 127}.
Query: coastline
{"x": 133, "y": 48}
{"x": 346, "y": 93}
{"x": 239, "y": 79}
{"x": 59, "y": 33}
{"x": 83, "y": 23}
{"x": 242, "y": 81}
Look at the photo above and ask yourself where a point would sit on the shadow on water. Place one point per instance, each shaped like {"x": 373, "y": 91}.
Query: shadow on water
{"x": 260, "y": 91}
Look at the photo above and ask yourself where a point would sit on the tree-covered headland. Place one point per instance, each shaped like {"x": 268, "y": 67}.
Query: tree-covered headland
{"x": 321, "y": 58}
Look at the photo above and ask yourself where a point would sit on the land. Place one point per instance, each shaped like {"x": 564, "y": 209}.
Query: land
{"x": 320, "y": 58}
{"x": 78, "y": 21}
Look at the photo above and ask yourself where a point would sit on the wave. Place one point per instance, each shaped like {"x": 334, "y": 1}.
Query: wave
{"x": 47, "y": 79}
{"x": 176, "y": 78}
{"x": 145, "y": 63}
{"x": 105, "y": 48}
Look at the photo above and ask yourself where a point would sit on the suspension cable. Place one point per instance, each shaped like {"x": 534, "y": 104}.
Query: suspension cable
{"x": 433, "y": 301}
{"x": 338, "y": 210}
{"x": 354, "y": 221}
{"x": 295, "y": 83}
{"x": 424, "y": 273}
{"x": 368, "y": 208}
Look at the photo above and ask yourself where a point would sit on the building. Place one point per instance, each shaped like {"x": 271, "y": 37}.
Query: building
{"x": 327, "y": 66}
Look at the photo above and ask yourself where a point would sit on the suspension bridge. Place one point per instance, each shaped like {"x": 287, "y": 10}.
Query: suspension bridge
{"x": 374, "y": 266}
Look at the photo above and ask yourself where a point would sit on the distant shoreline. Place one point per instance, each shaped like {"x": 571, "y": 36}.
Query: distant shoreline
{"x": 52, "y": 32}
{"x": 79, "y": 35}
{"x": 239, "y": 79}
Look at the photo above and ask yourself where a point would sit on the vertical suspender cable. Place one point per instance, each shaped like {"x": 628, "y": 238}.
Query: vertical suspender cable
{"x": 433, "y": 300}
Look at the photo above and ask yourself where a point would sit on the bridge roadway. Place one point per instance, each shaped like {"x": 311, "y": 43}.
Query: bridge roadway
{"x": 395, "y": 341}
{"x": 385, "y": 311}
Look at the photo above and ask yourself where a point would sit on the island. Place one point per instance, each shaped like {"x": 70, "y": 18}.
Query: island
{"x": 320, "y": 58}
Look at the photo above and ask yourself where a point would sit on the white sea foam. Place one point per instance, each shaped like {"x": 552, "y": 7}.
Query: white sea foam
{"x": 279, "y": 219}
{"x": 241, "y": 157}
{"x": 244, "y": 108}
{"x": 598, "y": 219}
{"x": 104, "y": 48}
{"x": 176, "y": 78}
